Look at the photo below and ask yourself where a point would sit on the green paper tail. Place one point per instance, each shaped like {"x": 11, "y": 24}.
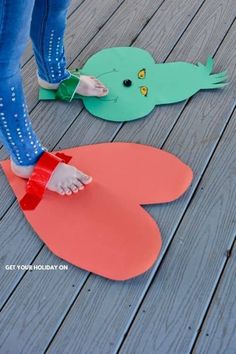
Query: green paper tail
{"x": 212, "y": 81}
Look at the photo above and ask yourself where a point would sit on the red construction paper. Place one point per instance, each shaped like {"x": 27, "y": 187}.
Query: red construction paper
{"x": 103, "y": 229}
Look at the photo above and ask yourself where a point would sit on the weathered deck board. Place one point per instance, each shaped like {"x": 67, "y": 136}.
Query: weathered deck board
{"x": 26, "y": 230}
{"x": 218, "y": 334}
{"x": 130, "y": 295}
{"x": 28, "y": 322}
{"x": 81, "y": 132}
{"x": 101, "y": 311}
{"x": 90, "y": 129}
{"x": 181, "y": 292}
{"x": 194, "y": 261}
{"x": 30, "y": 239}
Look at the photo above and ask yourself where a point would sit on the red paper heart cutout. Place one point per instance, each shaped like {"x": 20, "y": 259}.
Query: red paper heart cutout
{"x": 103, "y": 229}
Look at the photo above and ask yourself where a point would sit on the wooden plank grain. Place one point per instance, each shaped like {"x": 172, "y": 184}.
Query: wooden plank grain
{"x": 88, "y": 131}
{"x": 74, "y": 5}
{"x": 32, "y": 318}
{"x": 56, "y": 314}
{"x": 28, "y": 254}
{"x": 93, "y": 130}
{"x": 131, "y": 294}
{"x": 24, "y": 241}
{"x": 218, "y": 334}
{"x": 172, "y": 312}
{"x": 173, "y": 309}
{"x": 7, "y": 197}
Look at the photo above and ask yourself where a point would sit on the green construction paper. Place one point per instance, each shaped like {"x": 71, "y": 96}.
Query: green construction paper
{"x": 67, "y": 88}
{"x": 49, "y": 95}
{"x": 161, "y": 83}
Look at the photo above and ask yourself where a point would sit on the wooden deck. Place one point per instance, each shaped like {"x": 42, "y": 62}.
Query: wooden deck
{"x": 187, "y": 302}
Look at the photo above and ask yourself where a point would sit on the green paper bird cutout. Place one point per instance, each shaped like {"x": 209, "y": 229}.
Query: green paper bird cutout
{"x": 137, "y": 84}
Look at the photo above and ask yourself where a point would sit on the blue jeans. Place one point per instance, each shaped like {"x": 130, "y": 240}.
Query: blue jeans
{"x": 44, "y": 21}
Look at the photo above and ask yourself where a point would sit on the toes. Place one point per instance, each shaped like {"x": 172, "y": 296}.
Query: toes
{"x": 78, "y": 184}
{"x": 74, "y": 188}
{"x": 85, "y": 179}
{"x": 98, "y": 83}
{"x": 90, "y": 86}
{"x": 67, "y": 189}
{"x": 68, "y": 179}
{"x": 98, "y": 92}
{"x": 61, "y": 190}
{"x": 103, "y": 92}
{"x": 73, "y": 185}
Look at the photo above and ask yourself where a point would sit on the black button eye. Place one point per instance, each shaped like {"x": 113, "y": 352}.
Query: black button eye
{"x": 127, "y": 83}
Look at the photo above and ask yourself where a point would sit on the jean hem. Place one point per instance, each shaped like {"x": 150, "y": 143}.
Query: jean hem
{"x": 57, "y": 82}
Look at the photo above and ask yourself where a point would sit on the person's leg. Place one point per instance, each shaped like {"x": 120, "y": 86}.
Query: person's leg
{"x": 47, "y": 34}
{"x": 15, "y": 127}
{"x": 16, "y": 131}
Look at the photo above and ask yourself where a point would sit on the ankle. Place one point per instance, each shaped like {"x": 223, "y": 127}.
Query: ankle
{"x": 21, "y": 171}
{"x": 47, "y": 85}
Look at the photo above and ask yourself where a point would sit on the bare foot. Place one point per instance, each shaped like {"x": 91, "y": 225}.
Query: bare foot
{"x": 65, "y": 179}
{"x": 88, "y": 86}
